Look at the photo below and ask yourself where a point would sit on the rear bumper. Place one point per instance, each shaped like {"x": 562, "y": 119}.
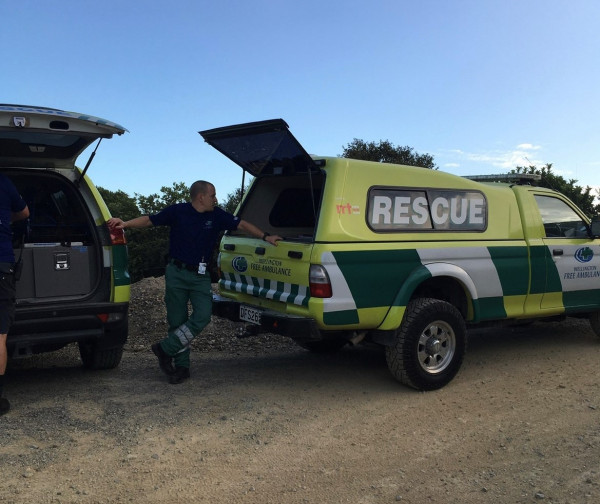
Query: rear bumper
{"x": 41, "y": 328}
{"x": 298, "y": 328}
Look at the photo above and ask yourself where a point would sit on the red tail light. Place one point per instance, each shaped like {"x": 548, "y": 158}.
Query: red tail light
{"x": 117, "y": 237}
{"x": 320, "y": 286}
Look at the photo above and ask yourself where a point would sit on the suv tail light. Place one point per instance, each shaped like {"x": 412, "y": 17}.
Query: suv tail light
{"x": 117, "y": 237}
{"x": 320, "y": 286}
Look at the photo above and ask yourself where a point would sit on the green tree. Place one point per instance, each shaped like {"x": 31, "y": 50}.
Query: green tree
{"x": 177, "y": 193}
{"x": 385, "y": 152}
{"x": 579, "y": 195}
{"x": 233, "y": 199}
{"x": 120, "y": 203}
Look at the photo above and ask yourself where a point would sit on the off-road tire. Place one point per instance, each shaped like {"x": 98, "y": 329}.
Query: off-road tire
{"x": 99, "y": 358}
{"x": 430, "y": 345}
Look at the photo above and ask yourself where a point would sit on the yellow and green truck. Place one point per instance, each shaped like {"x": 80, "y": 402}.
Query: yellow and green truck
{"x": 402, "y": 256}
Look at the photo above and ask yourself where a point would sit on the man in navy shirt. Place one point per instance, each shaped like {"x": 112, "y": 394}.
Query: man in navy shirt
{"x": 194, "y": 229}
{"x": 12, "y": 208}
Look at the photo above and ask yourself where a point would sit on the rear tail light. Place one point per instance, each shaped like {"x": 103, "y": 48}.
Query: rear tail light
{"x": 109, "y": 317}
{"x": 320, "y": 286}
{"x": 117, "y": 237}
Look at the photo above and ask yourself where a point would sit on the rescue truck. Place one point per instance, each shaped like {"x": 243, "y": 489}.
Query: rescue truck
{"x": 401, "y": 256}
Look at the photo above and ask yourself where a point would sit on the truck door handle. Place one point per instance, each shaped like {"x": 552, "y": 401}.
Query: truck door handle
{"x": 229, "y": 246}
{"x": 557, "y": 252}
{"x": 260, "y": 251}
{"x": 293, "y": 254}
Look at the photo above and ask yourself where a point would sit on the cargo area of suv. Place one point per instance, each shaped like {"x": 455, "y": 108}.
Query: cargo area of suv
{"x": 58, "y": 245}
{"x": 74, "y": 283}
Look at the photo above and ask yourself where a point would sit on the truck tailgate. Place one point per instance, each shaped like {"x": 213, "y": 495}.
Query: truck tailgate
{"x": 257, "y": 273}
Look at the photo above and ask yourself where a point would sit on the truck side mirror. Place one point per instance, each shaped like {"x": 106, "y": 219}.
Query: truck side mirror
{"x": 595, "y": 226}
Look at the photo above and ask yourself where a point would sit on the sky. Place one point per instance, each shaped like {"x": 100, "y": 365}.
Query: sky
{"x": 481, "y": 85}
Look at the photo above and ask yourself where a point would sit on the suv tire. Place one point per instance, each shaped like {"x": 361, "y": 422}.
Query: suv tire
{"x": 94, "y": 357}
{"x": 430, "y": 344}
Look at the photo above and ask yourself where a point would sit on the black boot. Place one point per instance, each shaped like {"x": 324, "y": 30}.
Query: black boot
{"x": 181, "y": 374}
{"x": 165, "y": 361}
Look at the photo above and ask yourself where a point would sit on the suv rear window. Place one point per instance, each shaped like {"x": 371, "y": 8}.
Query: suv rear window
{"x": 57, "y": 214}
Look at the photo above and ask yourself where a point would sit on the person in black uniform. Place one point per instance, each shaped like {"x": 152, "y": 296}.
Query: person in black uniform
{"x": 194, "y": 229}
{"x": 12, "y": 208}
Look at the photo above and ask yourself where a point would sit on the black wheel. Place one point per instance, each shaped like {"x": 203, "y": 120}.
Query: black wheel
{"x": 430, "y": 345}
{"x": 99, "y": 358}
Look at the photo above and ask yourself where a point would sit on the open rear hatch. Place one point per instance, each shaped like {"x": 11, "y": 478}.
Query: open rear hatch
{"x": 59, "y": 244}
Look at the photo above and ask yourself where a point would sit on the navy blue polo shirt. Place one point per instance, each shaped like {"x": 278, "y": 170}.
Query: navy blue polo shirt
{"x": 193, "y": 234}
{"x": 10, "y": 201}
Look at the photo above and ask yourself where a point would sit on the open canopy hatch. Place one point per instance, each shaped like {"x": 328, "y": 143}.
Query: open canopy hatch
{"x": 261, "y": 148}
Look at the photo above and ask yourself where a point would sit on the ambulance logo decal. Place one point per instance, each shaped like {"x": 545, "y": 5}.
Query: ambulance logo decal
{"x": 239, "y": 264}
{"x": 584, "y": 254}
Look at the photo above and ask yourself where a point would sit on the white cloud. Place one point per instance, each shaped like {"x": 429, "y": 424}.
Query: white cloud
{"x": 528, "y": 146}
{"x": 521, "y": 155}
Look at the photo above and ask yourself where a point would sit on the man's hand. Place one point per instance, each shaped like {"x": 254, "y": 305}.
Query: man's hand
{"x": 115, "y": 222}
{"x": 273, "y": 239}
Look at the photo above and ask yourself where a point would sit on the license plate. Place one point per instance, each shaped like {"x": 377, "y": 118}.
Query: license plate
{"x": 250, "y": 315}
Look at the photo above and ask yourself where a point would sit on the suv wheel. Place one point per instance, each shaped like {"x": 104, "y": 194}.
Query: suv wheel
{"x": 99, "y": 358}
{"x": 430, "y": 345}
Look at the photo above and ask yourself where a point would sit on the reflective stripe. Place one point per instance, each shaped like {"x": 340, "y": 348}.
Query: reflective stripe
{"x": 185, "y": 335}
{"x": 265, "y": 288}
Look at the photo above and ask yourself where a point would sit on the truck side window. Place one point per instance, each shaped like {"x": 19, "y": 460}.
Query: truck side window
{"x": 560, "y": 220}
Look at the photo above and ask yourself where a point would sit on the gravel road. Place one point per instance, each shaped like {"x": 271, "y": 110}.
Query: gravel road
{"x": 262, "y": 421}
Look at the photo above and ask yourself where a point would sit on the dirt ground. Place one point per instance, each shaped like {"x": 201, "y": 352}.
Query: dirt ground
{"x": 267, "y": 422}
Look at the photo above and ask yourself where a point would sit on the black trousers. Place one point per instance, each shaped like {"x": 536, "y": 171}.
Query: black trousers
{"x": 7, "y": 297}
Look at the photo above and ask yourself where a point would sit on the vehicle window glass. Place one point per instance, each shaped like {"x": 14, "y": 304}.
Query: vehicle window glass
{"x": 56, "y": 212}
{"x": 294, "y": 208}
{"x": 560, "y": 220}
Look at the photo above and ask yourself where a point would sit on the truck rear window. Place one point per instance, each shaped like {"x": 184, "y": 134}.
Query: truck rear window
{"x": 294, "y": 208}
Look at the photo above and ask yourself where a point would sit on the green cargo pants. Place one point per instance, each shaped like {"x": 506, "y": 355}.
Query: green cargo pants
{"x": 182, "y": 286}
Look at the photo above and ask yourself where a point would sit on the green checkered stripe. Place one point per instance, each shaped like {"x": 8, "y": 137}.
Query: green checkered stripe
{"x": 268, "y": 289}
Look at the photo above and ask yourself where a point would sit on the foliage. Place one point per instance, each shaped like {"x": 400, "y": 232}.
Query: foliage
{"x": 120, "y": 204}
{"x": 233, "y": 199}
{"x": 177, "y": 193}
{"x": 386, "y": 152}
{"x": 576, "y": 193}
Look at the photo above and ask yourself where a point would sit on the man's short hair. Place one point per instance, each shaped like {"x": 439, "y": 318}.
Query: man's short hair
{"x": 199, "y": 187}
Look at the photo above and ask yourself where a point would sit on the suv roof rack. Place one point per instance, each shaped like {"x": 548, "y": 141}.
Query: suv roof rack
{"x": 519, "y": 178}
